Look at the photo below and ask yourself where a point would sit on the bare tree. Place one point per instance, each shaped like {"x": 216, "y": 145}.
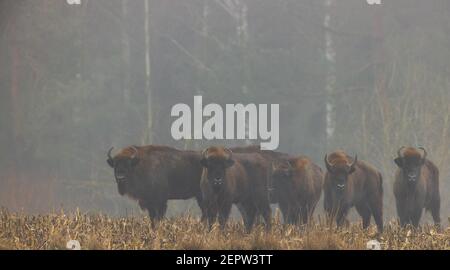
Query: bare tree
{"x": 148, "y": 89}
{"x": 330, "y": 56}
{"x": 125, "y": 53}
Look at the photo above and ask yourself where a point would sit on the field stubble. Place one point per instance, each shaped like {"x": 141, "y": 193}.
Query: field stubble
{"x": 97, "y": 231}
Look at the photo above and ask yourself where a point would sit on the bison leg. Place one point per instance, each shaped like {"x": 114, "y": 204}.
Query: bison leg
{"x": 284, "y": 211}
{"x": 416, "y": 215}
{"x": 156, "y": 211}
{"x": 250, "y": 216}
{"x": 376, "y": 209}
{"x": 161, "y": 210}
{"x": 364, "y": 211}
{"x": 267, "y": 215}
{"x": 435, "y": 212}
{"x": 224, "y": 213}
{"x": 377, "y": 213}
{"x": 296, "y": 215}
{"x": 304, "y": 215}
{"x": 202, "y": 207}
{"x": 404, "y": 220}
{"x": 243, "y": 212}
{"x": 308, "y": 211}
{"x": 401, "y": 212}
{"x": 341, "y": 215}
{"x": 211, "y": 215}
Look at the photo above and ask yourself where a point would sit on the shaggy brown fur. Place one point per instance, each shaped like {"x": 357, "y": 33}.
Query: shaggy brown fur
{"x": 416, "y": 186}
{"x": 270, "y": 157}
{"x": 298, "y": 185}
{"x": 234, "y": 178}
{"x": 154, "y": 174}
{"x": 349, "y": 183}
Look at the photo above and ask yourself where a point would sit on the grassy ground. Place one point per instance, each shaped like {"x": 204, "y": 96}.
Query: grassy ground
{"x": 52, "y": 231}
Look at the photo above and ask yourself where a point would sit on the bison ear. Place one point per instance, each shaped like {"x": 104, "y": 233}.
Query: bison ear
{"x": 134, "y": 162}
{"x": 229, "y": 163}
{"x": 399, "y": 162}
{"x": 204, "y": 162}
{"x": 110, "y": 162}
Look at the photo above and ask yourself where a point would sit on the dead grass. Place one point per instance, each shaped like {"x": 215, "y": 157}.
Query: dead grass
{"x": 95, "y": 231}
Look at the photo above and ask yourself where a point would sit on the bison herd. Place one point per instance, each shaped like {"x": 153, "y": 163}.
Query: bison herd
{"x": 252, "y": 179}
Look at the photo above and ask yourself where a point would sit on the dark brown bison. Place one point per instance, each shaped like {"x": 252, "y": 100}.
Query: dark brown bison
{"x": 416, "y": 186}
{"x": 240, "y": 179}
{"x": 349, "y": 182}
{"x": 298, "y": 186}
{"x": 154, "y": 174}
{"x": 270, "y": 157}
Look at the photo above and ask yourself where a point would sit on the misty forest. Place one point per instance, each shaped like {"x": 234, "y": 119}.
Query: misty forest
{"x": 76, "y": 80}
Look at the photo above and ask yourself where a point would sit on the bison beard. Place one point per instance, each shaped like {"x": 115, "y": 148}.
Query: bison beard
{"x": 416, "y": 186}
{"x": 298, "y": 185}
{"x": 239, "y": 179}
{"x": 357, "y": 184}
{"x": 153, "y": 174}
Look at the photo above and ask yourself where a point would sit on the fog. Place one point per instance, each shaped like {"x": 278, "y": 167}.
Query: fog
{"x": 78, "y": 79}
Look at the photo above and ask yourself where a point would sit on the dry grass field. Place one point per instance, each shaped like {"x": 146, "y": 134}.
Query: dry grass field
{"x": 95, "y": 231}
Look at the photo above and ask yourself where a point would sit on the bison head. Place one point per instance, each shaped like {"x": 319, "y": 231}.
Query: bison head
{"x": 216, "y": 160}
{"x": 123, "y": 165}
{"x": 410, "y": 161}
{"x": 339, "y": 169}
{"x": 281, "y": 170}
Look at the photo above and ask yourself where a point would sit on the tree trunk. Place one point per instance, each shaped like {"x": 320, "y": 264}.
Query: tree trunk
{"x": 148, "y": 89}
{"x": 330, "y": 56}
{"x": 242, "y": 32}
{"x": 125, "y": 54}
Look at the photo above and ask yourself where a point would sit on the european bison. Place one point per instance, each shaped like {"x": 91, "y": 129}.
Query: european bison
{"x": 270, "y": 158}
{"x": 298, "y": 186}
{"x": 154, "y": 174}
{"x": 416, "y": 186}
{"x": 349, "y": 182}
{"x": 240, "y": 179}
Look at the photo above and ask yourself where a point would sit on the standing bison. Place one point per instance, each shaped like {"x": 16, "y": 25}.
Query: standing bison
{"x": 153, "y": 174}
{"x": 349, "y": 182}
{"x": 298, "y": 186}
{"x": 240, "y": 179}
{"x": 416, "y": 186}
{"x": 270, "y": 157}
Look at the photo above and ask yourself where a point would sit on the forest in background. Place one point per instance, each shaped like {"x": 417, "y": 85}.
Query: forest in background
{"x": 78, "y": 79}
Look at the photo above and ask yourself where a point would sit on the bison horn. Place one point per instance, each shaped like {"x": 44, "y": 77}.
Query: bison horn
{"x": 274, "y": 166}
{"x": 205, "y": 152}
{"x": 109, "y": 153}
{"x": 354, "y": 162}
{"x": 424, "y": 153}
{"x": 399, "y": 152}
{"x": 327, "y": 163}
{"x": 230, "y": 153}
{"x": 135, "y": 152}
{"x": 288, "y": 164}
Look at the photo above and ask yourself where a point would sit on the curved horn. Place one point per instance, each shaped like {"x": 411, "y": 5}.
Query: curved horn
{"x": 109, "y": 153}
{"x": 289, "y": 164}
{"x": 327, "y": 163}
{"x": 354, "y": 161}
{"x": 274, "y": 166}
{"x": 399, "y": 151}
{"x": 135, "y": 152}
{"x": 424, "y": 153}
{"x": 230, "y": 153}
{"x": 205, "y": 152}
